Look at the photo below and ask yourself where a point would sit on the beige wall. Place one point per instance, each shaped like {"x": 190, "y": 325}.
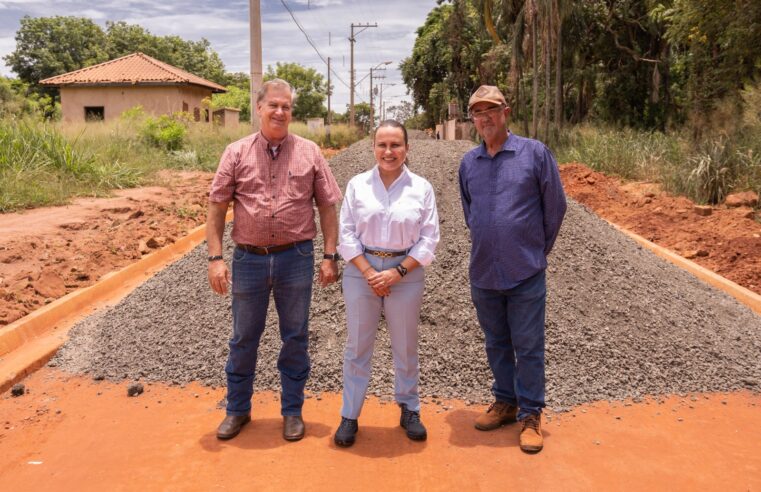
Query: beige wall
{"x": 155, "y": 100}
{"x": 227, "y": 117}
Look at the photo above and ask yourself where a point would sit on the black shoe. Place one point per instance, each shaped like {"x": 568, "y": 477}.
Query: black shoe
{"x": 411, "y": 422}
{"x": 346, "y": 433}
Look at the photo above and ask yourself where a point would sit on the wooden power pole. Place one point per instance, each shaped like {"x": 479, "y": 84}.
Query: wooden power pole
{"x": 255, "y": 20}
{"x": 330, "y": 91}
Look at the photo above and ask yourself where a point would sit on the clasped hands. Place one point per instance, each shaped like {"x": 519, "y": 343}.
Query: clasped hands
{"x": 382, "y": 281}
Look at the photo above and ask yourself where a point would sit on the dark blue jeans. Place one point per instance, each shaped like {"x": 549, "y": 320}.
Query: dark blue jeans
{"x": 513, "y": 324}
{"x": 288, "y": 276}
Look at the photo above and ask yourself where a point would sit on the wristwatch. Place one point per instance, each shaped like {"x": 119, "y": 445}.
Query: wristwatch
{"x": 331, "y": 256}
{"x": 216, "y": 258}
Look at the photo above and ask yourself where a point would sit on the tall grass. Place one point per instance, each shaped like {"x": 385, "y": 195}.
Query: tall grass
{"x": 340, "y": 135}
{"x": 48, "y": 163}
{"x": 39, "y": 166}
{"x": 705, "y": 172}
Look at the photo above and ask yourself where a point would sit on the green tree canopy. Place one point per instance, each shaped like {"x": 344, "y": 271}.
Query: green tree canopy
{"x": 49, "y": 46}
{"x": 311, "y": 88}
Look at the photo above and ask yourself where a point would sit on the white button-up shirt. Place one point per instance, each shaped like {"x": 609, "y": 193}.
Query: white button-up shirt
{"x": 404, "y": 217}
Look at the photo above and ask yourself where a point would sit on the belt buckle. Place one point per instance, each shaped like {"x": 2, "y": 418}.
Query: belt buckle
{"x": 266, "y": 250}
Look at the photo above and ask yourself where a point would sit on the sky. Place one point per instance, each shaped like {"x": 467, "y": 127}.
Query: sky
{"x": 225, "y": 25}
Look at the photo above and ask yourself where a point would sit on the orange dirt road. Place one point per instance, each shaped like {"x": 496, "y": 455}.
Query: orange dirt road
{"x": 72, "y": 433}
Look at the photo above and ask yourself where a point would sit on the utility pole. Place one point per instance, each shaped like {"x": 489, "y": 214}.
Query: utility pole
{"x": 352, "y": 40}
{"x": 330, "y": 91}
{"x": 382, "y": 103}
{"x": 255, "y": 21}
{"x": 372, "y": 108}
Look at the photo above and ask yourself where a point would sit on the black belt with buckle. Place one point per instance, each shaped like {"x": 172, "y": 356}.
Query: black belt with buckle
{"x": 385, "y": 254}
{"x": 265, "y": 250}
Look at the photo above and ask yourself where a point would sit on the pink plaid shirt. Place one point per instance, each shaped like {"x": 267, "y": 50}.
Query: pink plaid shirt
{"x": 273, "y": 196}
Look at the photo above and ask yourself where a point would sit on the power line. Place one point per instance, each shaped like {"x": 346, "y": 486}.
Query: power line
{"x": 311, "y": 43}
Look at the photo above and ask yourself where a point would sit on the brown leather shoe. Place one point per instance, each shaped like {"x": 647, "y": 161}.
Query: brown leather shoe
{"x": 498, "y": 414}
{"x": 531, "y": 434}
{"x": 293, "y": 427}
{"x": 231, "y": 426}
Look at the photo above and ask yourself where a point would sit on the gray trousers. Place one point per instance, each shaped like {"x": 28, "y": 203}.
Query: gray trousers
{"x": 363, "y": 310}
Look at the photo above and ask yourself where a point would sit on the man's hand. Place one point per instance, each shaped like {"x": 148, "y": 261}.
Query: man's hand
{"x": 219, "y": 276}
{"x": 328, "y": 272}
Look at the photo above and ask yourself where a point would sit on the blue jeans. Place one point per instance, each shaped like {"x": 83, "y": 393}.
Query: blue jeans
{"x": 513, "y": 325}
{"x": 288, "y": 275}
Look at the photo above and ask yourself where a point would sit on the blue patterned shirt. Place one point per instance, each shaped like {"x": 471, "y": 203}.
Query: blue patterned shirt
{"x": 514, "y": 204}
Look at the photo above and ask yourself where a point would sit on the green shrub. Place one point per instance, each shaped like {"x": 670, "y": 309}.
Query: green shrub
{"x": 164, "y": 132}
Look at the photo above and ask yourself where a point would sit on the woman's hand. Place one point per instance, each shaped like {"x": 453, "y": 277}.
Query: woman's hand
{"x": 375, "y": 281}
{"x": 383, "y": 280}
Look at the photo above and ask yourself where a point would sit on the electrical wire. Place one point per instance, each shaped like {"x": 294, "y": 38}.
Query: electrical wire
{"x": 311, "y": 43}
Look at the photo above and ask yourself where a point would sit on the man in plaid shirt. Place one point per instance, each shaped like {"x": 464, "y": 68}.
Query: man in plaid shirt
{"x": 273, "y": 179}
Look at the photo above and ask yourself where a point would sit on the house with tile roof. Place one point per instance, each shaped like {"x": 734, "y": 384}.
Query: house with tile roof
{"x": 104, "y": 91}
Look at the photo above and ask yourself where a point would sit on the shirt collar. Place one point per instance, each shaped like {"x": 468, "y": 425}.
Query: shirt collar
{"x": 268, "y": 147}
{"x": 510, "y": 144}
{"x": 402, "y": 176}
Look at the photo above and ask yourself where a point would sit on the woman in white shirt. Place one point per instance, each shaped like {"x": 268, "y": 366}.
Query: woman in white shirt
{"x": 389, "y": 229}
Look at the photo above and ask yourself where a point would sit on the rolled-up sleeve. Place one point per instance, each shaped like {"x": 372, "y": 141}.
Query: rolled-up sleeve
{"x": 223, "y": 185}
{"x": 326, "y": 189}
{"x": 553, "y": 199}
{"x": 349, "y": 246}
{"x": 423, "y": 251}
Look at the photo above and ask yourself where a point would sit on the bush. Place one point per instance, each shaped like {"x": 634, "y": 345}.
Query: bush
{"x": 164, "y": 132}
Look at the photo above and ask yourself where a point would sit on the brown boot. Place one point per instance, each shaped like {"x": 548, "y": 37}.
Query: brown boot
{"x": 293, "y": 427}
{"x": 531, "y": 434}
{"x": 231, "y": 426}
{"x": 498, "y": 414}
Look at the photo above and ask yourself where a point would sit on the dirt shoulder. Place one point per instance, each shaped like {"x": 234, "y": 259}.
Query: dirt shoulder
{"x": 728, "y": 241}
{"x": 46, "y": 253}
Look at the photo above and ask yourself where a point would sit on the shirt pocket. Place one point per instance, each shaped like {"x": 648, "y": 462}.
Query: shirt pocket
{"x": 300, "y": 184}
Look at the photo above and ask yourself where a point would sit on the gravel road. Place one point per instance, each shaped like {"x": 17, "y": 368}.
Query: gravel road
{"x": 621, "y": 323}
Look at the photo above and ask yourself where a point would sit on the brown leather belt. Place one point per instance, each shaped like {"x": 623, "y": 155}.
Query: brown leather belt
{"x": 264, "y": 250}
{"x": 385, "y": 254}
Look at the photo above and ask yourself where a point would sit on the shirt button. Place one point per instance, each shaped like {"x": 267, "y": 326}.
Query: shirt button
{"x": 273, "y": 216}
{"x": 273, "y": 235}
{"x": 273, "y": 196}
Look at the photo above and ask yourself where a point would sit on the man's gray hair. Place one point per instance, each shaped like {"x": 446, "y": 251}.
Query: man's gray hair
{"x": 275, "y": 83}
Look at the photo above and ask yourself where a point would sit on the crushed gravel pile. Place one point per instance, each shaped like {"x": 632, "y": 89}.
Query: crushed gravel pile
{"x": 621, "y": 323}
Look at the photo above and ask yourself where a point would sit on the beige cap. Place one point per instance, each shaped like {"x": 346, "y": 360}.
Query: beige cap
{"x": 487, "y": 93}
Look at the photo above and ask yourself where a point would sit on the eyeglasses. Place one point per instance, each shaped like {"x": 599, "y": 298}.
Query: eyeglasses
{"x": 485, "y": 113}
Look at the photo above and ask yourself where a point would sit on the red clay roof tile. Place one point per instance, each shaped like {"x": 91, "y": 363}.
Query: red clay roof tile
{"x": 136, "y": 68}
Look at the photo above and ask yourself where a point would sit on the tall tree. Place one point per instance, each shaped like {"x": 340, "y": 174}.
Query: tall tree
{"x": 49, "y": 46}
{"x": 722, "y": 41}
{"x": 311, "y": 88}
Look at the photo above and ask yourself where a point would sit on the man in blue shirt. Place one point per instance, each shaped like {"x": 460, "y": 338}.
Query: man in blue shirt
{"x": 514, "y": 204}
